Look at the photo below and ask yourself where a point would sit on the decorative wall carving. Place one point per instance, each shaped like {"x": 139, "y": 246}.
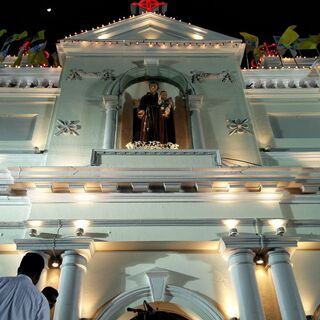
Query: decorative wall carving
{"x": 68, "y": 127}
{"x": 80, "y": 74}
{"x": 199, "y": 76}
{"x": 238, "y": 126}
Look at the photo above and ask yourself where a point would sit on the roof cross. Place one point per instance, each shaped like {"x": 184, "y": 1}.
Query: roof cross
{"x": 149, "y": 5}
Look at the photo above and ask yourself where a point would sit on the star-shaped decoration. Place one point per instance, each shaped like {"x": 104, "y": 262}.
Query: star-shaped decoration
{"x": 68, "y": 127}
{"x": 238, "y": 126}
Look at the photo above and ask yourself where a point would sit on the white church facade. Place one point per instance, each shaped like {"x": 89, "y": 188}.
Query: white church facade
{"x": 221, "y": 223}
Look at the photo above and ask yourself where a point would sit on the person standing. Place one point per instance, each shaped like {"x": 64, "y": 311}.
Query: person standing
{"x": 19, "y": 297}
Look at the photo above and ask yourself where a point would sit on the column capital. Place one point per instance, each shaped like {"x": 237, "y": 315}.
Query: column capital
{"x": 279, "y": 255}
{"x": 195, "y": 102}
{"x": 74, "y": 257}
{"x": 84, "y": 247}
{"x": 258, "y": 242}
{"x": 110, "y": 102}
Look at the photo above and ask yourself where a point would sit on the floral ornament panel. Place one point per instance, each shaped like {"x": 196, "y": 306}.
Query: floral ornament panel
{"x": 199, "y": 76}
{"x": 80, "y": 74}
{"x": 151, "y": 145}
{"x": 238, "y": 126}
{"x": 68, "y": 127}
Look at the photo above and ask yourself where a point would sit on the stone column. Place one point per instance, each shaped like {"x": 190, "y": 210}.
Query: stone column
{"x": 285, "y": 285}
{"x": 195, "y": 103}
{"x": 243, "y": 277}
{"x": 111, "y": 105}
{"x": 73, "y": 268}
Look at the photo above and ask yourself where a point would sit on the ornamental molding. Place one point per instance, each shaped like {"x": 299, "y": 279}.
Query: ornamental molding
{"x": 101, "y": 174}
{"x": 189, "y": 299}
{"x": 150, "y": 49}
{"x": 64, "y": 196}
{"x": 296, "y": 95}
{"x": 280, "y": 79}
{"x": 282, "y": 83}
{"x": 80, "y": 74}
{"x": 204, "y": 222}
{"x": 30, "y": 94}
{"x": 45, "y": 78}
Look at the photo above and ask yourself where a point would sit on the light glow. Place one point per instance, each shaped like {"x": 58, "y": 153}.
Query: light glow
{"x": 230, "y": 223}
{"x": 276, "y": 223}
{"x": 35, "y": 223}
{"x": 81, "y": 224}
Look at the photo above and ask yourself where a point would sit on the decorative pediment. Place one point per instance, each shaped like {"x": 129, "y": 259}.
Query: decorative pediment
{"x": 153, "y": 27}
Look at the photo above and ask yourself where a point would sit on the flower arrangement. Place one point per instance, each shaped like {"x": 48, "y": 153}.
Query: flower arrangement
{"x": 151, "y": 145}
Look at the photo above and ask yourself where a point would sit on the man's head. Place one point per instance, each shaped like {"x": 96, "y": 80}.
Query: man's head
{"x": 153, "y": 87}
{"x": 51, "y": 294}
{"x": 31, "y": 265}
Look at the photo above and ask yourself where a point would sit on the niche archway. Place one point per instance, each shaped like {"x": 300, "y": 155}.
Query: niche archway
{"x": 128, "y": 123}
{"x": 180, "y": 87}
{"x": 198, "y": 305}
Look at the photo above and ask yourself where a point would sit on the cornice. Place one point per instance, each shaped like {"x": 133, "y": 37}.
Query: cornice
{"x": 220, "y": 183}
{"x": 29, "y": 93}
{"x": 275, "y": 79}
{"x": 195, "y": 222}
{"x": 257, "y": 242}
{"x": 59, "y": 244}
{"x": 26, "y": 77}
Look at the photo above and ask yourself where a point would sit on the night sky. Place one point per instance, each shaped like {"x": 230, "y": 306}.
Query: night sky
{"x": 264, "y": 18}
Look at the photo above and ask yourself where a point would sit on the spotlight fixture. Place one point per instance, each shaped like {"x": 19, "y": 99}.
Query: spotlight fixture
{"x": 233, "y": 232}
{"x": 54, "y": 262}
{"x": 280, "y": 231}
{"x": 79, "y": 232}
{"x": 258, "y": 259}
{"x": 33, "y": 233}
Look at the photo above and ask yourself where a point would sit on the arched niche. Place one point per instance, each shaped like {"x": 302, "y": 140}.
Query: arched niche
{"x": 181, "y": 301}
{"x": 128, "y": 124}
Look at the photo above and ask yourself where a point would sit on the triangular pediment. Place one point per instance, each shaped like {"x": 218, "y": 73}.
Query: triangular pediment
{"x": 152, "y": 27}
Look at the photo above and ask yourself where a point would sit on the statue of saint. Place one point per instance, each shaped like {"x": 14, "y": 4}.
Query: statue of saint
{"x": 166, "y": 128}
{"x": 156, "y": 115}
{"x": 149, "y": 114}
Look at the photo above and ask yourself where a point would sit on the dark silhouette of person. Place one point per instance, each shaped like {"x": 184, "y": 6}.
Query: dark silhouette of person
{"x": 19, "y": 297}
{"x": 51, "y": 294}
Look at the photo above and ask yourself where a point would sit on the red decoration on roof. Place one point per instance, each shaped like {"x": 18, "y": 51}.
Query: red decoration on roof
{"x": 148, "y": 5}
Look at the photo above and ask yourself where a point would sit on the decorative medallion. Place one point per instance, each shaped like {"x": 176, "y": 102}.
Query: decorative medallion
{"x": 238, "y": 126}
{"x": 68, "y": 127}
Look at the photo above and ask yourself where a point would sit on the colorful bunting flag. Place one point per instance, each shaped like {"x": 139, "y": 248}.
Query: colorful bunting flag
{"x": 251, "y": 41}
{"x": 5, "y": 48}
{"x": 2, "y": 32}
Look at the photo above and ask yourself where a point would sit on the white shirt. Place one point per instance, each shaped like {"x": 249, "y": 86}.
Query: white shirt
{"x": 21, "y": 300}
